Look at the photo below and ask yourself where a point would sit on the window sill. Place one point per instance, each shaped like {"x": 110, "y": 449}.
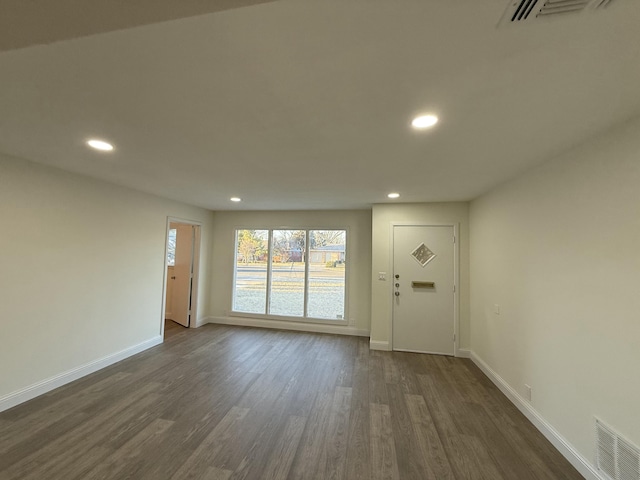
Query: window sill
{"x": 262, "y": 316}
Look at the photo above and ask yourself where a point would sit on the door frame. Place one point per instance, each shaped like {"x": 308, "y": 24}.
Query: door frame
{"x": 456, "y": 276}
{"x": 193, "y": 322}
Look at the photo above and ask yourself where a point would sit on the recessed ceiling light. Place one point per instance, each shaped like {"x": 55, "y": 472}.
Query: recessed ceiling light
{"x": 235, "y": 199}
{"x": 424, "y": 121}
{"x": 100, "y": 145}
{"x": 393, "y": 195}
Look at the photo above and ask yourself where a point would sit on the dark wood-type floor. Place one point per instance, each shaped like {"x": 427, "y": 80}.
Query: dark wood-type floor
{"x": 241, "y": 403}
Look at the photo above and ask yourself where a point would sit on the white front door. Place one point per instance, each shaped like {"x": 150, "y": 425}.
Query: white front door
{"x": 423, "y": 281}
{"x": 183, "y": 273}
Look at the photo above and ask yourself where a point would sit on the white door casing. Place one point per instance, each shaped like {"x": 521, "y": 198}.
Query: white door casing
{"x": 424, "y": 315}
{"x": 183, "y": 271}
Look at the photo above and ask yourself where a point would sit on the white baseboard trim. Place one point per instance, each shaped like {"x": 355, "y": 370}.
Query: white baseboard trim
{"x": 286, "y": 325}
{"x": 37, "y": 389}
{"x": 463, "y": 353}
{"x": 200, "y": 322}
{"x": 379, "y": 345}
{"x": 559, "y": 442}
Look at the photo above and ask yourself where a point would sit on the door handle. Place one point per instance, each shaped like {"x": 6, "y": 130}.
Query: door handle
{"x": 397, "y": 294}
{"x": 173, "y": 278}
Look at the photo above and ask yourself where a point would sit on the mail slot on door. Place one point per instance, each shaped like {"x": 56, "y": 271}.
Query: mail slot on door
{"x": 423, "y": 284}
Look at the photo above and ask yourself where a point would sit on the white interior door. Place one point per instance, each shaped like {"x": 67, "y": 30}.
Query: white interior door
{"x": 169, "y": 298}
{"x": 183, "y": 273}
{"x": 423, "y": 278}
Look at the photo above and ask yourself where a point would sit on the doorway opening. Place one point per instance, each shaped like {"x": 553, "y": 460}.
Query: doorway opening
{"x": 181, "y": 274}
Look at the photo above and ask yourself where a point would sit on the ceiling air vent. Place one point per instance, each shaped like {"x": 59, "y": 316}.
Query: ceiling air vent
{"x": 519, "y": 11}
{"x": 616, "y": 458}
{"x": 602, "y": 3}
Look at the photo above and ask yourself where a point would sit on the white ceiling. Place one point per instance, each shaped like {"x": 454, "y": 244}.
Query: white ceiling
{"x": 306, "y": 104}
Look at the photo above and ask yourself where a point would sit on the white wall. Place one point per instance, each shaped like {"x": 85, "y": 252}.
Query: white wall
{"x": 558, "y": 250}
{"x": 358, "y": 224}
{"x": 82, "y": 265}
{"x": 456, "y": 213}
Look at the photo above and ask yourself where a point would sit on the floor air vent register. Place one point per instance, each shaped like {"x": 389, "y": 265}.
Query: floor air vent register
{"x": 616, "y": 458}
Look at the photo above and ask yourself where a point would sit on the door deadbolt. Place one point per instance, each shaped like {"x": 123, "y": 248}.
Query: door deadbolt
{"x": 397, "y": 294}
{"x": 397, "y": 285}
{"x": 397, "y": 276}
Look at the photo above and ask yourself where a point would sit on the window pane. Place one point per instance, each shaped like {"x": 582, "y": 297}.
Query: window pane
{"x": 287, "y": 273}
{"x": 327, "y": 257}
{"x": 171, "y": 248}
{"x": 250, "y": 289}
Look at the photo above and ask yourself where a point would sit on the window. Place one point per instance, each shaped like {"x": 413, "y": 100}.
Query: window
{"x": 291, "y": 273}
{"x": 250, "y": 290}
{"x": 288, "y": 267}
{"x": 327, "y": 256}
{"x": 171, "y": 248}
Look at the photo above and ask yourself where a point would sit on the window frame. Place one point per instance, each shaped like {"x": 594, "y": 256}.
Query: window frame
{"x": 301, "y": 319}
